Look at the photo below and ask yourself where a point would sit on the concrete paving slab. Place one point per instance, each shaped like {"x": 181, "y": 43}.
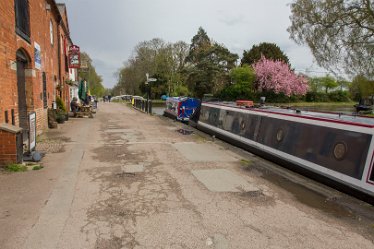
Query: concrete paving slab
{"x": 133, "y": 168}
{"x": 220, "y": 242}
{"x": 222, "y": 180}
{"x": 203, "y": 153}
{"x": 131, "y": 137}
{"x": 119, "y": 131}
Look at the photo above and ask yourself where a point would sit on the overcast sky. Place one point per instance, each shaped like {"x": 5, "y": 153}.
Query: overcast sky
{"x": 108, "y": 30}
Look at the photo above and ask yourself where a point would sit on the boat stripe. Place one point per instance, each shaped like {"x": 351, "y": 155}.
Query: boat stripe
{"x": 370, "y": 170}
{"x": 294, "y": 115}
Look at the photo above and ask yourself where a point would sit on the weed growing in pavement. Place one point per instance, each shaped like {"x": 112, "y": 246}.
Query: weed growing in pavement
{"x": 39, "y": 138}
{"x": 37, "y": 167}
{"x": 245, "y": 163}
{"x": 14, "y": 167}
{"x": 199, "y": 138}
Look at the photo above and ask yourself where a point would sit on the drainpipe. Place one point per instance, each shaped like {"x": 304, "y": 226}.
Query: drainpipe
{"x": 59, "y": 52}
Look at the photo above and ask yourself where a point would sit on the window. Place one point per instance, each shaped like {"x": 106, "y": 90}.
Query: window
{"x": 51, "y": 31}
{"x": 62, "y": 45}
{"x": 45, "y": 101}
{"x": 66, "y": 64}
{"x": 22, "y": 18}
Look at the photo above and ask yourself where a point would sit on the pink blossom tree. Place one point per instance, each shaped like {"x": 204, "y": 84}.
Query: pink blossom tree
{"x": 277, "y": 76}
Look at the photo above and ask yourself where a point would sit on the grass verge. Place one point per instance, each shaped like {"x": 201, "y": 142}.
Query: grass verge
{"x": 14, "y": 167}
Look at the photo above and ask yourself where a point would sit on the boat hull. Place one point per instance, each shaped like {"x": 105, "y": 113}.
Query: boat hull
{"x": 339, "y": 157}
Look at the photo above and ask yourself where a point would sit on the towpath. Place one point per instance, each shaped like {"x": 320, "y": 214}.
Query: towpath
{"x": 128, "y": 180}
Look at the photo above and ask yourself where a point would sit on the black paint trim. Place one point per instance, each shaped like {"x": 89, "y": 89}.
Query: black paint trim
{"x": 343, "y": 187}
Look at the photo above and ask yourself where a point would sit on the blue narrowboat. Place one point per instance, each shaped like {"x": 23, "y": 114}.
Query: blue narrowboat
{"x": 181, "y": 108}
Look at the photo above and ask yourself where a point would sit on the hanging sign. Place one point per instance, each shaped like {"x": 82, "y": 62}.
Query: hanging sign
{"x": 84, "y": 66}
{"x": 37, "y": 56}
{"x": 74, "y": 57}
{"x": 32, "y": 131}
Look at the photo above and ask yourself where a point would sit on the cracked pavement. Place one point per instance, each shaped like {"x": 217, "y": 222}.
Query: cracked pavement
{"x": 84, "y": 198}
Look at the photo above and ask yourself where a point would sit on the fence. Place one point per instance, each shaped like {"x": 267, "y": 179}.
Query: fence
{"x": 143, "y": 105}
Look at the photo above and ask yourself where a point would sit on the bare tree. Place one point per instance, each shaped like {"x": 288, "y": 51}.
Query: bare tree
{"x": 340, "y": 33}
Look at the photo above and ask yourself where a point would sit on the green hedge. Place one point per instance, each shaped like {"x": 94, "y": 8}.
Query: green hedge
{"x": 233, "y": 93}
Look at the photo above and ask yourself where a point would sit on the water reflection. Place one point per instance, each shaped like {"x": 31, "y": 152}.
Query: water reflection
{"x": 158, "y": 110}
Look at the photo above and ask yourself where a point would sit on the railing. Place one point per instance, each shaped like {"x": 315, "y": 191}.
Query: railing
{"x": 143, "y": 105}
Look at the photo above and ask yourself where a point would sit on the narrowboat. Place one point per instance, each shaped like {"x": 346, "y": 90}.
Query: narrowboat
{"x": 181, "y": 108}
{"x": 365, "y": 104}
{"x": 333, "y": 148}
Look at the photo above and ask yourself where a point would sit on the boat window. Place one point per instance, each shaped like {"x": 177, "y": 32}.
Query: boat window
{"x": 280, "y": 135}
{"x": 242, "y": 125}
{"x": 340, "y": 150}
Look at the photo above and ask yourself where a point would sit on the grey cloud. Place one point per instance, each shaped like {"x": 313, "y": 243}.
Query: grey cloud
{"x": 110, "y": 29}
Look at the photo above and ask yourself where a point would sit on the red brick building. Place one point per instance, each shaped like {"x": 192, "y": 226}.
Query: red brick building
{"x": 34, "y": 37}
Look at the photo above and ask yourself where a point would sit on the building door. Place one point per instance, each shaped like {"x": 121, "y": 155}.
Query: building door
{"x": 21, "y": 85}
{"x": 45, "y": 98}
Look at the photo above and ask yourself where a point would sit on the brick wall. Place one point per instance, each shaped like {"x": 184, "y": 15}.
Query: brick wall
{"x": 10, "y": 42}
{"x": 8, "y": 152}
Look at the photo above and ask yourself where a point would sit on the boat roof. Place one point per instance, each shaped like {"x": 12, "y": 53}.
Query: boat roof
{"x": 364, "y": 121}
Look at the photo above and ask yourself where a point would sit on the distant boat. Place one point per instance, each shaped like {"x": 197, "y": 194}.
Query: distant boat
{"x": 181, "y": 108}
{"x": 365, "y": 104}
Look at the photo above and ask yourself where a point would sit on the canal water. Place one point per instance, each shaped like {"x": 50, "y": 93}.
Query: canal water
{"x": 158, "y": 110}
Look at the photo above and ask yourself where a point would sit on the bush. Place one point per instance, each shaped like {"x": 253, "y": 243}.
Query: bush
{"x": 316, "y": 97}
{"x": 235, "y": 92}
{"x": 37, "y": 167}
{"x": 339, "y": 96}
{"x": 272, "y": 97}
{"x": 60, "y": 104}
{"x": 13, "y": 167}
{"x": 60, "y": 116}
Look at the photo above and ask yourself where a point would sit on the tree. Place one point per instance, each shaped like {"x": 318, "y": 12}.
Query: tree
{"x": 94, "y": 80}
{"x": 180, "y": 52}
{"x": 314, "y": 84}
{"x": 243, "y": 75}
{"x": 268, "y": 50}
{"x": 241, "y": 85}
{"x": 160, "y": 60}
{"x": 361, "y": 87}
{"x": 338, "y": 32}
{"x": 277, "y": 77}
{"x": 343, "y": 84}
{"x": 326, "y": 82}
{"x": 208, "y": 65}
{"x": 200, "y": 44}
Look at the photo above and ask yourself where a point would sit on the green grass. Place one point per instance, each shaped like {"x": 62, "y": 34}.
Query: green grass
{"x": 245, "y": 163}
{"x": 158, "y": 101}
{"x": 315, "y": 104}
{"x": 37, "y": 167}
{"x": 14, "y": 167}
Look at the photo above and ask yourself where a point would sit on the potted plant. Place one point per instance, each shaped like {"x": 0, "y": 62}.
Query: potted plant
{"x": 60, "y": 117}
{"x": 61, "y": 109}
{"x": 69, "y": 82}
